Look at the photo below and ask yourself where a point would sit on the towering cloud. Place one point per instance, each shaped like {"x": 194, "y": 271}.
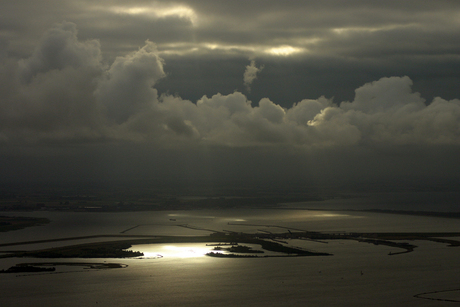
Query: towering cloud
{"x": 50, "y": 95}
{"x": 128, "y": 86}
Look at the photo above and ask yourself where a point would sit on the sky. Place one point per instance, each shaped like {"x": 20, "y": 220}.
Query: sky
{"x": 327, "y": 92}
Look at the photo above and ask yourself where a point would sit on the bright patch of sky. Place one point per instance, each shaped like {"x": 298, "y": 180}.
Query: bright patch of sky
{"x": 158, "y": 10}
{"x": 284, "y": 50}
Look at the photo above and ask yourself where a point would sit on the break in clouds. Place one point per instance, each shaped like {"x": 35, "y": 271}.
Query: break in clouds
{"x": 65, "y": 92}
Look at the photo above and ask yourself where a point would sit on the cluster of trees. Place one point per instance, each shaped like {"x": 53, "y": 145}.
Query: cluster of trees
{"x": 239, "y": 249}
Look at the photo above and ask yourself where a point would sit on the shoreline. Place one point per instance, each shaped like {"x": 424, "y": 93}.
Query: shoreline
{"x": 268, "y": 241}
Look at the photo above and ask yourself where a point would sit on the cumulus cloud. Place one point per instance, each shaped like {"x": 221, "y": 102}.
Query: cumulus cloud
{"x": 50, "y": 94}
{"x": 59, "y": 48}
{"x": 383, "y": 112}
{"x": 250, "y": 74}
{"x": 128, "y": 86}
{"x": 63, "y": 93}
{"x": 388, "y": 111}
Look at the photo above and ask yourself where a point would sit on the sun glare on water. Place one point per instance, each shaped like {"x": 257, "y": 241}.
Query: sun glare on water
{"x": 184, "y": 251}
{"x": 172, "y": 251}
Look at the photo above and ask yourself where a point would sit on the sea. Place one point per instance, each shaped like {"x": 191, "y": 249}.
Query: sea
{"x": 181, "y": 274}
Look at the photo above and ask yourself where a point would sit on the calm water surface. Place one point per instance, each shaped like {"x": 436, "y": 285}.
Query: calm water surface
{"x": 358, "y": 274}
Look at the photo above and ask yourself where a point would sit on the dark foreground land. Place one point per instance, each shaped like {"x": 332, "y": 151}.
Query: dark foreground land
{"x": 27, "y": 268}
{"x": 94, "y": 250}
{"x": 50, "y": 267}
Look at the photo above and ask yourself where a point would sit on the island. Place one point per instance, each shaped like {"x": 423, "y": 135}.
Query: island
{"x": 18, "y": 268}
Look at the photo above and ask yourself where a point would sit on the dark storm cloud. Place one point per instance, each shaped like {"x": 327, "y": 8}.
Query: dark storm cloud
{"x": 243, "y": 23}
{"x": 338, "y": 94}
{"x": 50, "y": 94}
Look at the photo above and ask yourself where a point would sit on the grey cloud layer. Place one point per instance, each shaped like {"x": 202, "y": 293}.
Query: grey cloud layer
{"x": 350, "y": 28}
{"x": 318, "y": 47}
{"x": 64, "y": 93}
